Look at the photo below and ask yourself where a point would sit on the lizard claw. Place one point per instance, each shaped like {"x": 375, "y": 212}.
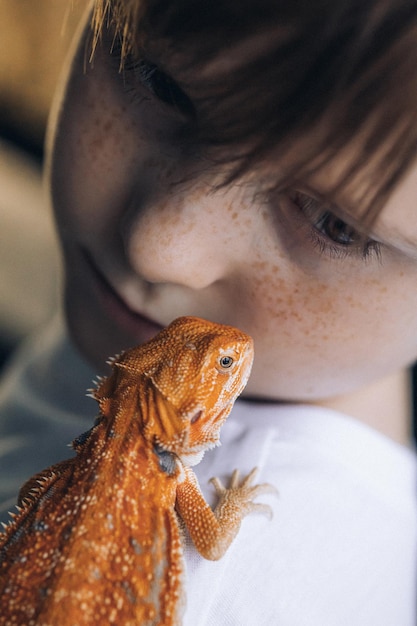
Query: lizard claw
{"x": 243, "y": 495}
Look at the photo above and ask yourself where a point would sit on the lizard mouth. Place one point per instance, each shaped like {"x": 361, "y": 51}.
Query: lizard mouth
{"x": 197, "y": 451}
{"x": 167, "y": 458}
{"x": 192, "y": 458}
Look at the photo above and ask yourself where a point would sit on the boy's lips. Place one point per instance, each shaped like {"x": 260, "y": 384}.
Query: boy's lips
{"x": 136, "y": 324}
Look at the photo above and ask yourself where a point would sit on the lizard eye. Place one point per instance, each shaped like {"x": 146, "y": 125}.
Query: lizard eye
{"x": 226, "y": 362}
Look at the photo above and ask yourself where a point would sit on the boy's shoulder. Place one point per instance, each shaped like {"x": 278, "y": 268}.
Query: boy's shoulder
{"x": 346, "y": 495}
{"x": 43, "y": 407}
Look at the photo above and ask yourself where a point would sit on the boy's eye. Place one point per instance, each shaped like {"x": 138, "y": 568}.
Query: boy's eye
{"x": 139, "y": 72}
{"x": 162, "y": 86}
{"x": 331, "y": 234}
{"x": 336, "y": 229}
{"x": 158, "y": 83}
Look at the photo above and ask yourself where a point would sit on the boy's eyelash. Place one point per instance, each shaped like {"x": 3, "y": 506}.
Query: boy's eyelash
{"x": 164, "y": 88}
{"x": 149, "y": 75}
{"x": 351, "y": 242}
{"x": 336, "y": 251}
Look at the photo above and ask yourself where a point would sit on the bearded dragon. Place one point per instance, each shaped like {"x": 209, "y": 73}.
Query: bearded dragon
{"x": 97, "y": 538}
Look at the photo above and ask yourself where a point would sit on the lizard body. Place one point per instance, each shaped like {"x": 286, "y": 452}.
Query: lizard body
{"x": 97, "y": 539}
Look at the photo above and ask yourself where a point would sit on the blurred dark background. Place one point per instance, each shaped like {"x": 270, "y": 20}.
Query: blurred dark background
{"x": 34, "y": 39}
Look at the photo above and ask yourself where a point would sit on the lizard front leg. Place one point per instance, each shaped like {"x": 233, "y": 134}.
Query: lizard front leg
{"x": 212, "y": 532}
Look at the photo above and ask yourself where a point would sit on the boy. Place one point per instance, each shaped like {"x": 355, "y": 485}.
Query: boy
{"x": 251, "y": 164}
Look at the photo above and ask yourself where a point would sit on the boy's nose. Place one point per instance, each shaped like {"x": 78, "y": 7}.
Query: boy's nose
{"x": 188, "y": 239}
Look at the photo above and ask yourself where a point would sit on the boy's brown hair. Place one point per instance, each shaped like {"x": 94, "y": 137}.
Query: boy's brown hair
{"x": 291, "y": 82}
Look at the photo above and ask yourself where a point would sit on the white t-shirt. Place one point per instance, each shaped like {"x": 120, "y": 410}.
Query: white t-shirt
{"x": 342, "y": 545}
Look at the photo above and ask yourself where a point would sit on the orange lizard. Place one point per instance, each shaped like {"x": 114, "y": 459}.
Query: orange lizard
{"x": 97, "y": 538}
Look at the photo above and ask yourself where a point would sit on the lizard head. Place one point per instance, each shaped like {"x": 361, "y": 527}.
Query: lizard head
{"x": 194, "y": 371}
{"x": 207, "y": 368}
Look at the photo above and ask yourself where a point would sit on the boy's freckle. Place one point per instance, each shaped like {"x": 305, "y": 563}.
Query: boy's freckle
{"x": 97, "y": 143}
{"x": 259, "y": 265}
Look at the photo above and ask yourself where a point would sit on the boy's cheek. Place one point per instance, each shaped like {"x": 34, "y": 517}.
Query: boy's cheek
{"x": 88, "y": 177}
{"x": 103, "y": 158}
{"x": 313, "y": 341}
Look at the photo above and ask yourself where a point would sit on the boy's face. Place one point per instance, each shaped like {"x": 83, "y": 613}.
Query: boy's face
{"x": 147, "y": 237}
